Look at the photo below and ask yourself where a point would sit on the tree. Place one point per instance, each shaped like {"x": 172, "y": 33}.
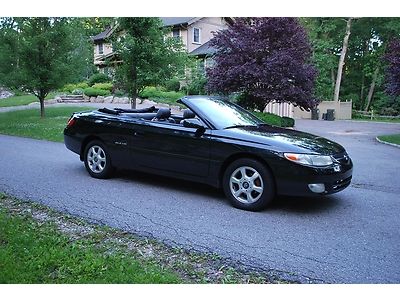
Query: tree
{"x": 84, "y": 30}
{"x": 341, "y": 60}
{"x": 265, "y": 59}
{"x": 363, "y": 72}
{"x": 36, "y": 55}
{"x": 325, "y": 35}
{"x": 147, "y": 56}
{"x": 393, "y": 70}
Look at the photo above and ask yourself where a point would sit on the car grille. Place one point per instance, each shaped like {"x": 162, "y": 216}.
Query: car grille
{"x": 341, "y": 184}
{"x": 342, "y": 158}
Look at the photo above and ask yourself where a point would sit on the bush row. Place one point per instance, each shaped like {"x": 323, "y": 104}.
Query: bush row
{"x": 96, "y": 81}
{"x": 273, "y": 119}
{"x": 94, "y": 92}
{"x": 159, "y": 93}
{"x": 70, "y": 88}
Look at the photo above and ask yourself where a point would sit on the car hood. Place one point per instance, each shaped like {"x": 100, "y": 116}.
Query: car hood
{"x": 283, "y": 140}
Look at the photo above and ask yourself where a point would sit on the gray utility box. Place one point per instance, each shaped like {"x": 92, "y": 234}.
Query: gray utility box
{"x": 330, "y": 114}
{"x": 314, "y": 114}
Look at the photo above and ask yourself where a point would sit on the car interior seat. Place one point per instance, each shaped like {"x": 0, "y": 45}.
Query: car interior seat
{"x": 163, "y": 114}
{"x": 187, "y": 114}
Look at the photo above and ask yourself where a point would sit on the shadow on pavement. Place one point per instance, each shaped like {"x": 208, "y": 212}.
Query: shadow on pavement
{"x": 307, "y": 205}
{"x": 170, "y": 183}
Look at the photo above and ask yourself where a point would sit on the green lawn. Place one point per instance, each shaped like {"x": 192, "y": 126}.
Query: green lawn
{"x": 28, "y": 123}
{"x": 394, "y": 138}
{"x": 21, "y": 100}
{"x": 31, "y": 252}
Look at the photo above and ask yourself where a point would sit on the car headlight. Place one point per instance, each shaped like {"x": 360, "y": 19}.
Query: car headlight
{"x": 309, "y": 159}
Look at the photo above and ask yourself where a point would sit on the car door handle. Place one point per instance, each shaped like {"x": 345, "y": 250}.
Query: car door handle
{"x": 136, "y": 133}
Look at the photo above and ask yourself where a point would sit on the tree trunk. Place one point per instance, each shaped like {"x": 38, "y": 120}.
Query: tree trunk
{"x": 371, "y": 89}
{"x": 333, "y": 83}
{"x": 133, "y": 96}
{"x": 341, "y": 60}
{"x": 42, "y": 114}
{"x": 362, "y": 92}
{"x": 133, "y": 89}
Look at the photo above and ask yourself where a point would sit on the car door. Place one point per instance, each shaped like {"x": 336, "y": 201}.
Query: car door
{"x": 117, "y": 134}
{"x": 171, "y": 148}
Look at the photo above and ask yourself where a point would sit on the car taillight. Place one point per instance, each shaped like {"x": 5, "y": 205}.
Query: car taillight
{"x": 71, "y": 122}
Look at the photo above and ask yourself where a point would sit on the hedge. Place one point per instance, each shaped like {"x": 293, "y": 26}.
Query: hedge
{"x": 98, "y": 78}
{"x": 173, "y": 85}
{"x": 69, "y": 88}
{"x": 103, "y": 86}
{"x": 93, "y": 92}
{"x": 155, "y": 93}
{"x": 273, "y": 119}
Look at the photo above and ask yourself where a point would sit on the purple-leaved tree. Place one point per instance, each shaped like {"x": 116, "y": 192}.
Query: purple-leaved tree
{"x": 264, "y": 59}
{"x": 393, "y": 70}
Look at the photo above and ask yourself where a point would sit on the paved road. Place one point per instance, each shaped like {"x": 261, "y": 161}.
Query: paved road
{"x": 350, "y": 237}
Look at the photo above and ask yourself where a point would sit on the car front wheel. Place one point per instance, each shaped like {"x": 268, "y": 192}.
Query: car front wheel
{"x": 97, "y": 160}
{"x": 248, "y": 184}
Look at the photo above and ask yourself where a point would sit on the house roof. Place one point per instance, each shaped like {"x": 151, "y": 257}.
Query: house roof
{"x": 204, "y": 50}
{"x": 103, "y": 35}
{"x": 174, "y": 21}
{"x": 167, "y": 21}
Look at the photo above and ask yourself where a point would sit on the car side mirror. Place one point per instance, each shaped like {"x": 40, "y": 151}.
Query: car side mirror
{"x": 194, "y": 123}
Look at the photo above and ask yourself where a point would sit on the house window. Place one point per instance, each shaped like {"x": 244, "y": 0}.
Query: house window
{"x": 101, "y": 48}
{"x": 196, "y": 35}
{"x": 176, "y": 33}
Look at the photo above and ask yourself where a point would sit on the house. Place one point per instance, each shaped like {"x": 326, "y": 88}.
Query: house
{"x": 194, "y": 32}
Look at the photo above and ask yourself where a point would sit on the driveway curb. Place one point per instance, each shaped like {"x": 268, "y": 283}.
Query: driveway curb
{"x": 387, "y": 143}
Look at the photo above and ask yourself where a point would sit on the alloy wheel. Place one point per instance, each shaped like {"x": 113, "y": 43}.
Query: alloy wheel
{"x": 96, "y": 159}
{"x": 246, "y": 184}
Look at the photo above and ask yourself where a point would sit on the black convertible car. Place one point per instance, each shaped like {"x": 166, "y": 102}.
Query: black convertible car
{"x": 214, "y": 142}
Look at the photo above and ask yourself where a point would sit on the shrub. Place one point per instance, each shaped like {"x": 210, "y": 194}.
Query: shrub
{"x": 98, "y": 78}
{"x": 268, "y": 118}
{"x": 197, "y": 86}
{"x": 389, "y": 111}
{"x": 69, "y": 88}
{"x": 119, "y": 93}
{"x": 173, "y": 85}
{"x": 156, "y": 93}
{"x": 108, "y": 86}
{"x": 77, "y": 92}
{"x": 287, "y": 122}
{"x": 273, "y": 119}
{"x": 81, "y": 85}
{"x": 92, "y": 92}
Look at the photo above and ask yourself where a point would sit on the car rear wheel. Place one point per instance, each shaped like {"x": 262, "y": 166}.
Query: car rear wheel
{"x": 248, "y": 184}
{"x": 97, "y": 160}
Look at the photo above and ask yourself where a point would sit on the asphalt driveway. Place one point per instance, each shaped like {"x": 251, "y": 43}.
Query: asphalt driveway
{"x": 350, "y": 237}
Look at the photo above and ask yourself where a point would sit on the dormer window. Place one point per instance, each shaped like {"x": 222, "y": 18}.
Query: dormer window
{"x": 196, "y": 36}
{"x": 101, "y": 48}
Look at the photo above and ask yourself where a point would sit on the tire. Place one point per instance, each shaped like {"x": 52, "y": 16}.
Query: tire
{"x": 97, "y": 160}
{"x": 252, "y": 191}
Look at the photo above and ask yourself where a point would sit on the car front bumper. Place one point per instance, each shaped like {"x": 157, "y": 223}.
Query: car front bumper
{"x": 295, "y": 180}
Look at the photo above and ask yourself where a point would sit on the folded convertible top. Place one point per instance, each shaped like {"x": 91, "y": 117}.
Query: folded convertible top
{"x": 139, "y": 110}
{"x": 117, "y": 111}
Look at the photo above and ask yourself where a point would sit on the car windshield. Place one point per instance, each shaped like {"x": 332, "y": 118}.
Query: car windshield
{"x": 224, "y": 114}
